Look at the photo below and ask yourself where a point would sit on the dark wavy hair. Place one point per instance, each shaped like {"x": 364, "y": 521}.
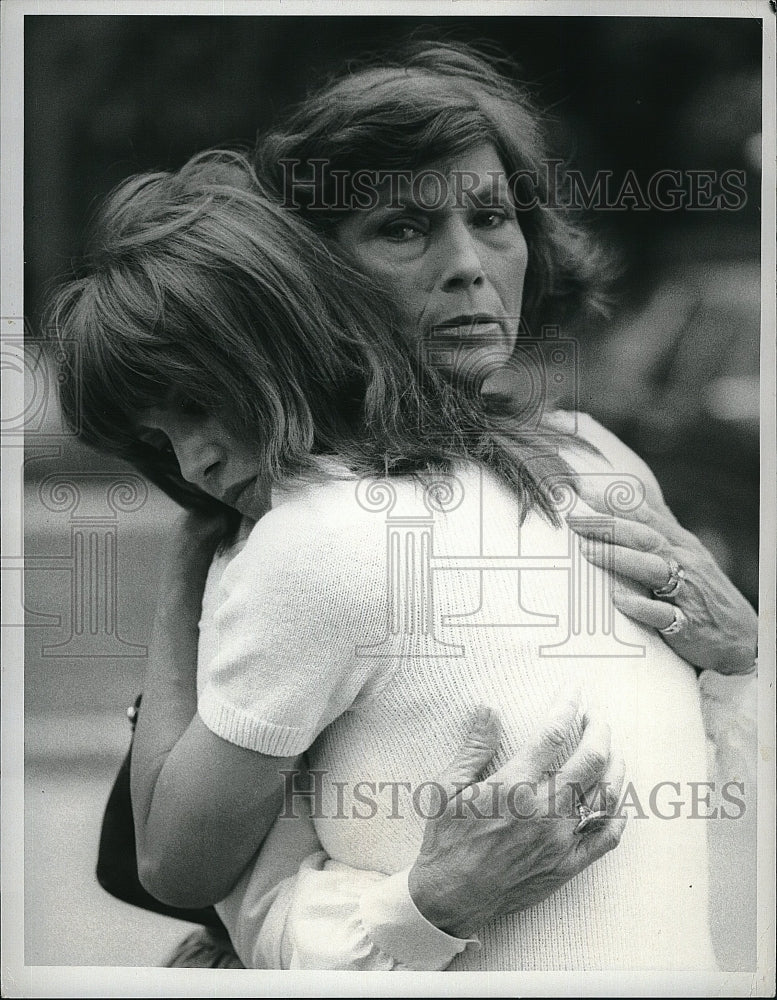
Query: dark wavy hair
{"x": 430, "y": 103}
{"x": 200, "y": 291}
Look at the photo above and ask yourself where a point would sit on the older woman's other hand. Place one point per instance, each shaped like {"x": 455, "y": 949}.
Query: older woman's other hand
{"x": 717, "y": 629}
{"x": 509, "y": 842}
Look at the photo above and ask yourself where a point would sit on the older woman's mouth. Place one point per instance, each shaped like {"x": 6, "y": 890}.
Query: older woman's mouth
{"x": 476, "y": 327}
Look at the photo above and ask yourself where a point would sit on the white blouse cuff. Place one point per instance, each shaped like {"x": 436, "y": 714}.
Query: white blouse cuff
{"x": 400, "y": 930}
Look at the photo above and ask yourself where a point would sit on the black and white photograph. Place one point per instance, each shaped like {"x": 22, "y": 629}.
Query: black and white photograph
{"x": 388, "y": 449}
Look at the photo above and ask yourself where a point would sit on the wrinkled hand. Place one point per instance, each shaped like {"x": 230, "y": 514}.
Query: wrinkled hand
{"x": 722, "y": 628}
{"x": 515, "y": 843}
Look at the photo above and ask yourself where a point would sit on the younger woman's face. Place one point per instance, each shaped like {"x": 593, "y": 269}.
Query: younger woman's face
{"x": 456, "y": 267}
{"x": 208, "y": 455}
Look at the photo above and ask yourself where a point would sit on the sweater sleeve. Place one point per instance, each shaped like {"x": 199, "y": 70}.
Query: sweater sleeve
{"x": 296, "y": 603}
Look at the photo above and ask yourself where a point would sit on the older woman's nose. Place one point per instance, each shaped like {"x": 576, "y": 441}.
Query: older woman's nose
{"x": 463, "y": 267}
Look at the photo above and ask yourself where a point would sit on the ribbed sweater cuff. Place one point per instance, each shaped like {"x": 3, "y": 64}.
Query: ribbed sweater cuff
{"x": 247, "y": 731}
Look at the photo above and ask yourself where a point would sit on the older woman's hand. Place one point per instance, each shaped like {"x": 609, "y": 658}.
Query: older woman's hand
{"x": 512, "y": 840}
{"x": 716, "y": 629}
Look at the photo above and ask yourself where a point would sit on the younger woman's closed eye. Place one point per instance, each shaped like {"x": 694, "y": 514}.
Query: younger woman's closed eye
{"x": 186, "y": 405}
{"x": 159, "y": 441}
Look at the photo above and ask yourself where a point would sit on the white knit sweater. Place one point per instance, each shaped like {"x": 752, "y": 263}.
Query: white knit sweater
{"x": 296, "y": 656}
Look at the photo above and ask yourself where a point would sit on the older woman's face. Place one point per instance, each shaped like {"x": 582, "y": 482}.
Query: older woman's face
{"x": 455, "y": 267}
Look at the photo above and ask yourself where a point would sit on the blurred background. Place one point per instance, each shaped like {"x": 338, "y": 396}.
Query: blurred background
{"x": 674, "y": 370}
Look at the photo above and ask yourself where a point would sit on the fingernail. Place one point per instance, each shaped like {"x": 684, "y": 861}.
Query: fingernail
{"x": 482, "y": 715}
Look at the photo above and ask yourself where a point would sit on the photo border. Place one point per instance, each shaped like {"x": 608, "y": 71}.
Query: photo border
{"x": 65, "y": 981}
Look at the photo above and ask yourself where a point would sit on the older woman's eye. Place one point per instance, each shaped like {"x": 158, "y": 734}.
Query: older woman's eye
{"x": 403, "y": 230}
{"x": 492, "y": 219}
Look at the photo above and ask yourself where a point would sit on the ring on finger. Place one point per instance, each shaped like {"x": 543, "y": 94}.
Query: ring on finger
{"x": 678, "y": 623}
{"x": 587, "y": 816}
{"x": 673, "y": 584}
